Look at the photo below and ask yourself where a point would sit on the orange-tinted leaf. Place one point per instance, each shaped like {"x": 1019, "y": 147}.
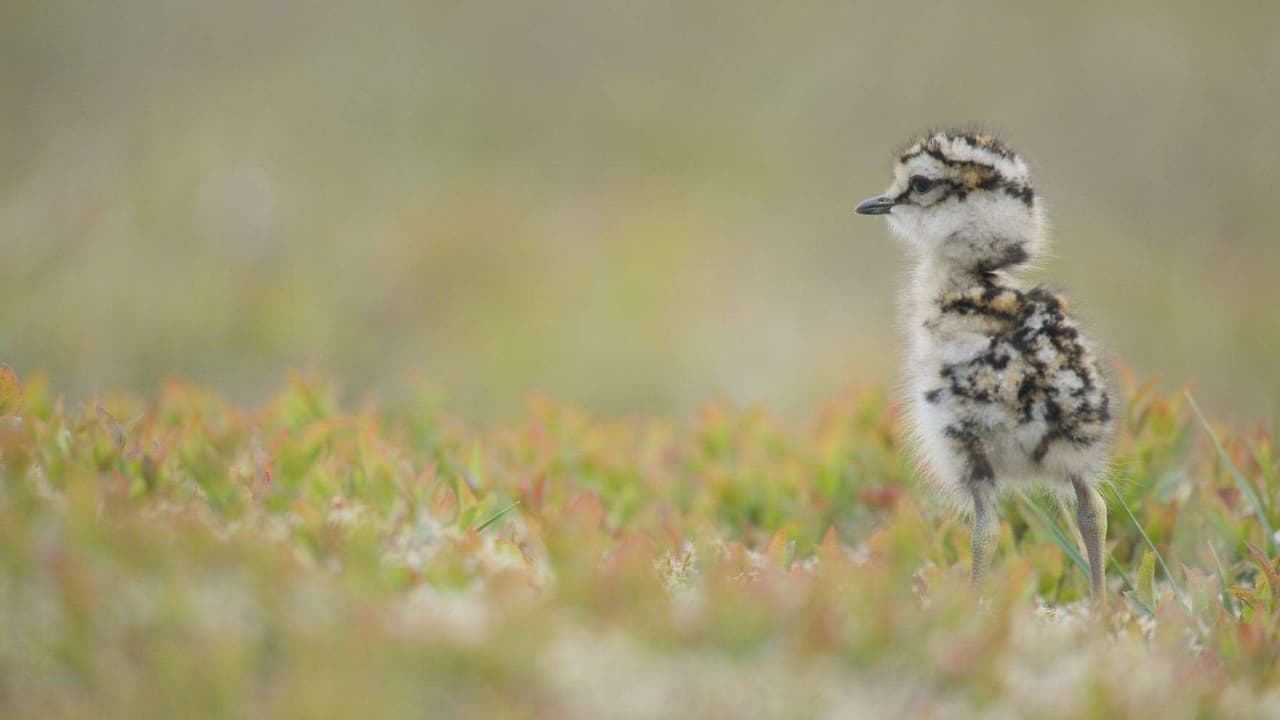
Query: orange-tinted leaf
{"x": 10, "y": 391}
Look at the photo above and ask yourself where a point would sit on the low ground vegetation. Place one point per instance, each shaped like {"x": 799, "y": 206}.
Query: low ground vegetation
{"x": 181, "y": 556}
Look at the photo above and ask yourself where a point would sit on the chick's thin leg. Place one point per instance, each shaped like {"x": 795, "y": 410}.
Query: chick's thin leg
{"x": 1091, "y": 515}
{"x": 986, "y": 527}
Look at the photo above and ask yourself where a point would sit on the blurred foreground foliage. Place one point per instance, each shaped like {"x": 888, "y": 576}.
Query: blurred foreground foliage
{"x": 182, "y": 556}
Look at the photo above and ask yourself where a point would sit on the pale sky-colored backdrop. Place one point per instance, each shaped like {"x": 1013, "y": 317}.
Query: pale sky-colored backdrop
{"x": 637, "y": 206}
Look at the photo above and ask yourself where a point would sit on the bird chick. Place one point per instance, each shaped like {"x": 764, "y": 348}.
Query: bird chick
{"x": 1003, "y": 389}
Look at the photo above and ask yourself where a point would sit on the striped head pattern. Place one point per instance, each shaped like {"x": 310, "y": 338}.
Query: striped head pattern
{"x": 966, "y": 199}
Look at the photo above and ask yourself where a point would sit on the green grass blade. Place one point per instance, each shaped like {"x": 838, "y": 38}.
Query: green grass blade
{"x": 1150, "y": 545}
{"x": 495, "y": 516}
{"x": 1223, "y": 584}
{"x": 1245, "y": 486}
{"x": 1059, "y": 534}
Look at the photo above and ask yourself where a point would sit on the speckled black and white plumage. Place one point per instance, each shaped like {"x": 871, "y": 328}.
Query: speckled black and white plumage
{"x": 1002, "y": 386}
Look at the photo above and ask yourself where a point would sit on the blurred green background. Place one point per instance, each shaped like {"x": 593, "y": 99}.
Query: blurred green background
{"x": 634, "y": 206}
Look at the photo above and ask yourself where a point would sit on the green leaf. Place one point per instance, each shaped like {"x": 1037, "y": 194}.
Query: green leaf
{"x": 1264, "y": 587}
{"x": 1147, "y": 580}
{"x": 1268, "y": 572}
{"x": 1129, "y": 585}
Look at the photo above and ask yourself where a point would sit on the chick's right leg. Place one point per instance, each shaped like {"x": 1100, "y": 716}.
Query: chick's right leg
{"x": 986, "y": 527}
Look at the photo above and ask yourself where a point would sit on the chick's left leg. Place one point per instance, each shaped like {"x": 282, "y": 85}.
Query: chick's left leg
{"x": 1091, "y": 515}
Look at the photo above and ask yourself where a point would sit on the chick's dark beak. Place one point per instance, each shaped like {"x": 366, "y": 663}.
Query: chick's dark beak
{"x": 879, "y": 205}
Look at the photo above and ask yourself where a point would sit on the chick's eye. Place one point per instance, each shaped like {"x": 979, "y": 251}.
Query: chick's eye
{"x": 921, "y": 184}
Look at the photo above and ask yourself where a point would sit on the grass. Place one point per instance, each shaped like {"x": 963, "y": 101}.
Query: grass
{"x": 183, "y": 556}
